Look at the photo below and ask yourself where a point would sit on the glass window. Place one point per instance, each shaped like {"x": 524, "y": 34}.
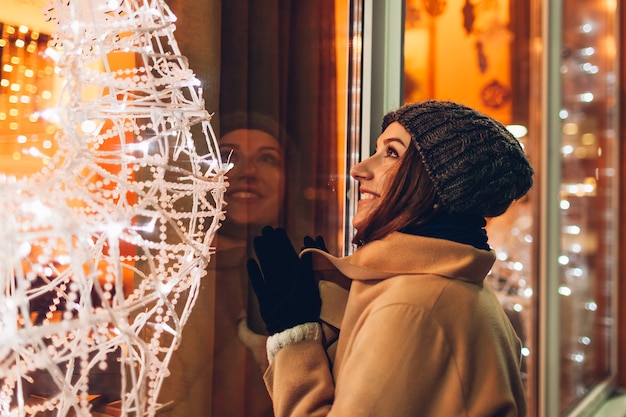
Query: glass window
{"x": 279, "y": 88}
{"x": 281, "y": 79}
{"x": 588, "y": 217}
{"x": 490, "y": 55}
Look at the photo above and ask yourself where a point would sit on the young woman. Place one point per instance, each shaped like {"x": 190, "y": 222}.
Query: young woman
{"x": 422, "y": 334}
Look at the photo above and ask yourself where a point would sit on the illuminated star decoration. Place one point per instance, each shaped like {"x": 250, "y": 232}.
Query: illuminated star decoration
{"x": 102, "y": 252}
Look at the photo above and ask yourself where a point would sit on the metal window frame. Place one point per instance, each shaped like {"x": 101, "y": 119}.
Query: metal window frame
{"x": 379, "y": 79}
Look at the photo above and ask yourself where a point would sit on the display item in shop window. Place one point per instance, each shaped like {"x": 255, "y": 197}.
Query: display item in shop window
{"x": 420, "y": 332}
{"x": 495, "y": 95}
{"x": 104, "y": 250}
{"x": 468, "y": 16}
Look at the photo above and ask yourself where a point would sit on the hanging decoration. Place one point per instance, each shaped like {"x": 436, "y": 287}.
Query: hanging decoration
{"x": 104, "y": 250}
{"x": 468, "y": 17}
{"x": 412, "y": 15}
{"x": 495, "y": 95}
{"x": 484, "y": 22}
{"x": 435, "y": 8}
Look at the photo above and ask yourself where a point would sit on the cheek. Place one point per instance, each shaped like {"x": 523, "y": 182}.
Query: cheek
{"x": 235, "y": 172}
{"x": 272, "y": 177}
{"x": 386, "y": 177}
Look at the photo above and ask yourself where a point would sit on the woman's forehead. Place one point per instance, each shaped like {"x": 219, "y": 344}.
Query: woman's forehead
{"x": 250, "y": 140}
{"x": 395, "y": 132}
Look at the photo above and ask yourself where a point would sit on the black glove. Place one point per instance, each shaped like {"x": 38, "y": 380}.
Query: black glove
{"x": 284, "y": 284}
{"x": 317, "y": 243}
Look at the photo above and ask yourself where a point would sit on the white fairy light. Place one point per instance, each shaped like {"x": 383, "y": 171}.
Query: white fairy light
{"x": 565, "y": 290}
{"x": 591, "y": 306}
{"x": 586, "y": 28}
{"x": 576, "y": 272}
{"x": 88, "y": 126}
{"x": 53, "y": 54}
{"x": 588, "y": 51}
{"x": 586, "y": 97}
{"x": 572, "y": 229}
{"x": 103, "y": 252}
{"x": 576, "y": 248}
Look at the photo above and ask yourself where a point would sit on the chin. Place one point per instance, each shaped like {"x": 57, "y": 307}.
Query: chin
{"x": 359, "y": 219}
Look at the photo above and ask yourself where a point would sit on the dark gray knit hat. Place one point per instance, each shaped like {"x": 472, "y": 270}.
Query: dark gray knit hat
{"x": 476, "y": 164}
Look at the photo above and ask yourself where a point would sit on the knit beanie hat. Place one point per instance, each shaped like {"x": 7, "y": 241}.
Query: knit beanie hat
{"x": 477, "y": 166}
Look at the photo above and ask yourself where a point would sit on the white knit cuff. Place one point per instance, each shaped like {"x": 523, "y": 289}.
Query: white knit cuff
{"x": 306, "y": 331}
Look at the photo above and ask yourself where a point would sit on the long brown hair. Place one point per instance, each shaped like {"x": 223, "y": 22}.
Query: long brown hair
{"x": 409, "y": 200}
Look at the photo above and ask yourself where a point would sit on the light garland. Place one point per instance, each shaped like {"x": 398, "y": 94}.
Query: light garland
{"x": 26, "y": 84}
{"x": 127, "y": 195}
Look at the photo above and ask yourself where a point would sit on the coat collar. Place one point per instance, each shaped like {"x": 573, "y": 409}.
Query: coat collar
{"x": 403, "y": 254}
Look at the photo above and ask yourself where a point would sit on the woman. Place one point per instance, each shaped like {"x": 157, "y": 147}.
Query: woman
{"x": 422, "y": 334}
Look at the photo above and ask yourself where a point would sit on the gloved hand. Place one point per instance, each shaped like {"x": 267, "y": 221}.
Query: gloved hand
{"x": 317, "y": 243}
{"x": 284, "y": 284}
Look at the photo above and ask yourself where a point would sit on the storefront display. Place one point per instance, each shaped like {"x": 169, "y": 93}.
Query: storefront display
{"x": 105, "y": 248}
{"x": 492, "y": 55}
{"x": 295, "y": 91}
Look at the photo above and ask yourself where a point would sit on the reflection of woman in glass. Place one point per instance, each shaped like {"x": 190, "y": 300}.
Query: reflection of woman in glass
{"x": 255, "y": 196}
{"x": 256, "y": 191}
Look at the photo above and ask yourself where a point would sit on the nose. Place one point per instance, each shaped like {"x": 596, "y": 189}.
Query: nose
{"x": 249, "y": 166}
{"x": 362, "y": 171}
{"x": 244, "y": 168}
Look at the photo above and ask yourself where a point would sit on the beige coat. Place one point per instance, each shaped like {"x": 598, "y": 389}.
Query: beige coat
{"x": 422, "y": 335}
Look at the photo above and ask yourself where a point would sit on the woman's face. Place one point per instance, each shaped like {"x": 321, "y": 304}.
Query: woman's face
{"x": 375, "y": 172}
{"x": 257, "y": 180}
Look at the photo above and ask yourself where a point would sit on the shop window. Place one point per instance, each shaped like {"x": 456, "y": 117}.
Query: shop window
{"x": 281, "y": 80}
{"x": 280, "y": 93}
{"x": 588, "y": 216}
{"x": 489, "y": 55}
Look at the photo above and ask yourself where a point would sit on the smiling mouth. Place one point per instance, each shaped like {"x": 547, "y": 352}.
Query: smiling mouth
{"x": 245, "y": 195}
{"x": 368, "y": 196}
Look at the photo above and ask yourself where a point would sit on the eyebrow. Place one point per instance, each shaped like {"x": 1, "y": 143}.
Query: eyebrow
{"x": 271, "y": 148}
{"x": 393, "y": 139}
{"x": 262, "y": 148}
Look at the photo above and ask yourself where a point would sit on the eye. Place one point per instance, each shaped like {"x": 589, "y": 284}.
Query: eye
{"x": 269, "y": 158}
{"x": 391, "y": 152}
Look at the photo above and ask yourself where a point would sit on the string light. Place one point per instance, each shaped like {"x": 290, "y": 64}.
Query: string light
{"x": 100, "y": 213}
{"x": 582, "y": 192}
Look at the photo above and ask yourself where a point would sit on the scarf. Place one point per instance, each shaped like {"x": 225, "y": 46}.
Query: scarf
{"x": 461, "y": 228}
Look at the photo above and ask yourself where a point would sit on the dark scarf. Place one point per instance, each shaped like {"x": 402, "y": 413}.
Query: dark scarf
{"x": 461, "y": 228}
